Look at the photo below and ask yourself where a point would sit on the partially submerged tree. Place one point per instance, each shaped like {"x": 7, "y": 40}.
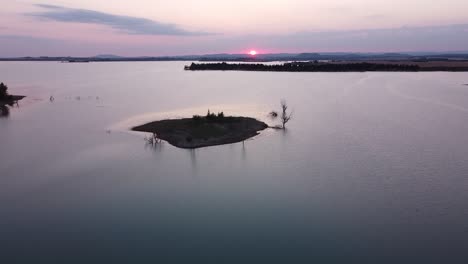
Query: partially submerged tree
{"x": 285, "y": 116}
{"x": 152, "y": 140}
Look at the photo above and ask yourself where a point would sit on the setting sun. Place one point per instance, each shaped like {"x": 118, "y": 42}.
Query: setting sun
{"x": 253, "y": 52}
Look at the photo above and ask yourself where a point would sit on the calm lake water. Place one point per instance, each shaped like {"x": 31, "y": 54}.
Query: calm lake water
{"x": 373, "y": 167}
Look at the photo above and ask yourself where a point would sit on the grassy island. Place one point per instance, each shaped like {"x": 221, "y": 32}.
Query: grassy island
{"x": 204, "y": 131}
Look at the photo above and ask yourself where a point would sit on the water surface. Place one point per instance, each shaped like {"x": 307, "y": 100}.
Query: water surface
{"x": 373, "y": 167}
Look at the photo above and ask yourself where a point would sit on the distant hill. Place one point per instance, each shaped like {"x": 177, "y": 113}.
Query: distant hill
{"x": 108, "y": 56}
{"x": 327, "y": 56}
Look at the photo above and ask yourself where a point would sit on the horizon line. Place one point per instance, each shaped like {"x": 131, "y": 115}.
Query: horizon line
{"x": 253, "y": 56}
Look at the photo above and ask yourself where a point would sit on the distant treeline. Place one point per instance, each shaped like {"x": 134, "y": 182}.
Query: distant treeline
{"x": 305, "y": 67}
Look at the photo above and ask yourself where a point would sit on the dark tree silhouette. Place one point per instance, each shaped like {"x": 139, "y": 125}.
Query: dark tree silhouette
{"x": 305, "y": 67}
{"x": 3, "y": 91}
{"x": 285, "y": 116}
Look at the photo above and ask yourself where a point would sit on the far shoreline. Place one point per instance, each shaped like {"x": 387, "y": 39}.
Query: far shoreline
{"x": 336, "y": 66}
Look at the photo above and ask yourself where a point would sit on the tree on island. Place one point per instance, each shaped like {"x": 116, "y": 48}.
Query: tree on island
{"x": 4, "y": 91}
{"x": 211, "y": 117}
{"x": 285, "y": 116}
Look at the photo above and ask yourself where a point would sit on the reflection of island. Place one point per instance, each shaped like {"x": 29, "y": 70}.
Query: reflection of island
{"x": 7, "y": 100}
{"x": 341, "y": 66}
{"x": 4, "y": 111}
{"x": 209, "y": 130}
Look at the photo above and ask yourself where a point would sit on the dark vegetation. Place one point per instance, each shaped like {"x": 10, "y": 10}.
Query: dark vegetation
{"x": 4, "y": 96}
{"x": 202, "y": 131}
{"x": 7, "y": 99}
{"x": 212, "y": 117}
{"x": 305, "y": 67}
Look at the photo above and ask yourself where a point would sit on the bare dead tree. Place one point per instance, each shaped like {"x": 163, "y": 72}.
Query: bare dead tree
{"x": 152, "y": 140}
{"x": 285, "y": 116}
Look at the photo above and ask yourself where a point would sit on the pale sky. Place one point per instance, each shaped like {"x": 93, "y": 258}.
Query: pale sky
{"x": 173, "y": 27}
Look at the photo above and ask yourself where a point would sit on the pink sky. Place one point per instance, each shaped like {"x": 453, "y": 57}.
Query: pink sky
{"x": 148, "y": 27}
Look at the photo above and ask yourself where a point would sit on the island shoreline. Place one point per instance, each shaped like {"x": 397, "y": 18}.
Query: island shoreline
{"x": 199, "y": 132}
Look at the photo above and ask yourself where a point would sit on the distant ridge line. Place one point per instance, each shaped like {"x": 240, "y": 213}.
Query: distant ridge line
{"x": 337, "y": 56}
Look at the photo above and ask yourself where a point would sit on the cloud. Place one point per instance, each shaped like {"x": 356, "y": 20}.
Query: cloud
{"x": 405, "y": 39}
{"x": 126, "y": 24}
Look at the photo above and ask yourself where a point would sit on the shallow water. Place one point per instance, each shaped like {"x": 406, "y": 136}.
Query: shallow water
{"x": 373, "y": 167}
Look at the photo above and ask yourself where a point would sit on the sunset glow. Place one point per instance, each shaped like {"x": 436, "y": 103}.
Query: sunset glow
{"x": 157, "y": 28}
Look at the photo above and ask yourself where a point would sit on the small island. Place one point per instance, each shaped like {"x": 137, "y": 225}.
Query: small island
{"x": 204, "y": 131}
{"x": 7, "y": 99}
